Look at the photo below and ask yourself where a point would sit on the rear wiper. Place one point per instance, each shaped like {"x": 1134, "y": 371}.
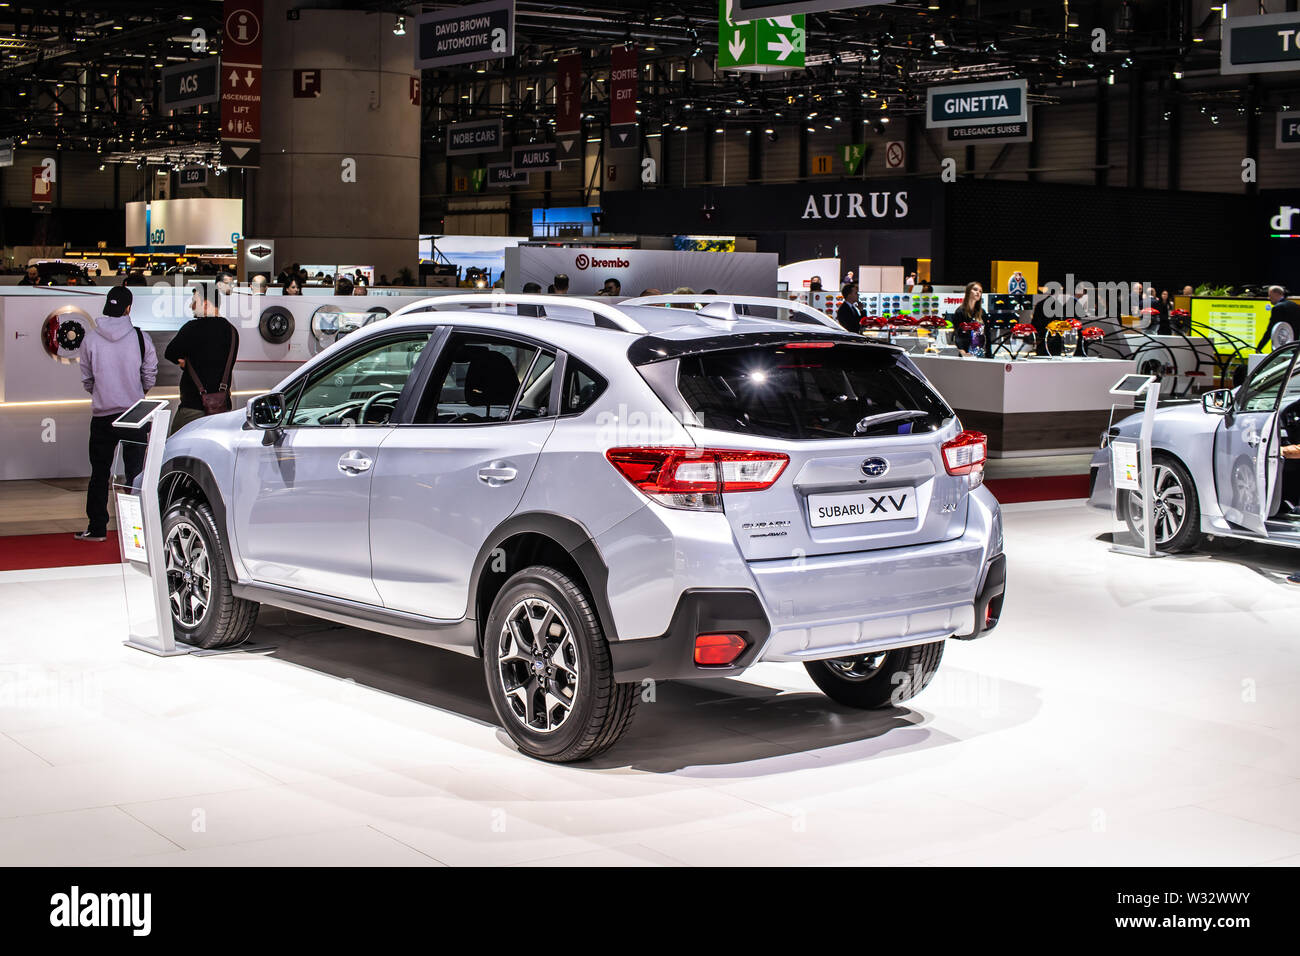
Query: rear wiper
{"x": 871, "y": 421}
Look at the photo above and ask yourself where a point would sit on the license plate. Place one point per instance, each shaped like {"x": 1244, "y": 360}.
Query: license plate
{"x": 857, "y": 507}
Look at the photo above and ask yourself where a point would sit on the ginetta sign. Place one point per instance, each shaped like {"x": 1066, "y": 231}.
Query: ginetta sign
{"x": 855, "y": 205}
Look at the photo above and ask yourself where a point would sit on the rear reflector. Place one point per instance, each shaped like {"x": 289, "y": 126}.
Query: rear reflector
{"x": 718, "y": 650}
{"x": 695, "y": 471}
{"x": 966, "y": 453}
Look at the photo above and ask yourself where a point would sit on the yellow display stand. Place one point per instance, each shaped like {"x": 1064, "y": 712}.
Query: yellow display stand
{"x": 1002, "y": 270}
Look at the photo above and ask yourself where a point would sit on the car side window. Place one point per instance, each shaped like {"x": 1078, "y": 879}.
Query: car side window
{"x": 582, "y": 387}
{"x": 479, "y": 378}
{"x": 1264, "y": 387}
{"x": 535, "y": 398}
{"x": 363, "y": 387}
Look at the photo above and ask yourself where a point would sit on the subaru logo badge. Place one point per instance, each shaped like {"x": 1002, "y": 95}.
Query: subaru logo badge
{"x": 875, "y": 467}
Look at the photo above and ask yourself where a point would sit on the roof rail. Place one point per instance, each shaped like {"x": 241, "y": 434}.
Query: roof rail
{"x": 603, "y": 314}
{"x": 724, "y": 307}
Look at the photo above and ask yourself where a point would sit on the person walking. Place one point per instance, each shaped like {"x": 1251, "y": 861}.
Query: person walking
{"x": 118, "y": 366}
{"x": 1283, "y": 320}
{"x": 205, "y": 349}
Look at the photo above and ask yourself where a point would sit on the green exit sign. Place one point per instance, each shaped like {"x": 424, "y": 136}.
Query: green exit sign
{"x": 762, "y": 45}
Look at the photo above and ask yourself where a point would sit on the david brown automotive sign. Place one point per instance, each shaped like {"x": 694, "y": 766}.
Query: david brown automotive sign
{"x": 977, "y": 104}
{"x": 1263, "y": 44}
{"x": 483, "y": 136}
{"x": 483, "y": 31}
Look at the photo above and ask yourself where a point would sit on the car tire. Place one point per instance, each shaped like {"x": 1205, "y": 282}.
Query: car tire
{"x": 548, "y": 669}
{"x": 885, "y": 679}
{"x": 205, "y": 612}
{"x": 1169, "y": 472}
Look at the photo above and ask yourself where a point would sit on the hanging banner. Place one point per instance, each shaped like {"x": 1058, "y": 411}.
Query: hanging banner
{"x": 483, "y": 31}
{"x": 241, "y": 83}
{"x": 853, "y": 155}
{"x": 504, "y": 174}
{"x": 42, "y": 185}
{"x": 568, "y": 103}
{"x": 760, "y": 44}
{"x": 622, "y": 85}
{"x": 1288, "y": 130}
{"x": 479, "y": 136}
{"x": 536, "y": 158}
{"x": 190, "y": 84}
{"x": 1262, "y": 44}
{"x": 977, "y": 104}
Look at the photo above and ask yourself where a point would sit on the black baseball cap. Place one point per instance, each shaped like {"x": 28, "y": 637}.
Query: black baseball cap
{"x": 118, "y": 300}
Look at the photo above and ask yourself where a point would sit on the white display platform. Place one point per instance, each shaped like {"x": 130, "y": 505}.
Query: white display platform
{"x": 1056, "y": 406}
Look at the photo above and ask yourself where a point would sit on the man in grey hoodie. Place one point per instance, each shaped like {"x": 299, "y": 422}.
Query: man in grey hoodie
{"x": 118, "y": 365}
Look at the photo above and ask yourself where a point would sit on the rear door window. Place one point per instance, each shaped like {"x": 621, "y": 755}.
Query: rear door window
{"x": 479, "y": 378}
{"x": 808, "y": 391}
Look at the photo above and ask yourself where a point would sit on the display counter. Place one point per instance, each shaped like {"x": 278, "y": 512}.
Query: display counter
{"x": 1026, "y": 407}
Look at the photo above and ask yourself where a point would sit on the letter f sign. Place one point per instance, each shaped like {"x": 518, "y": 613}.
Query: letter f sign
{"x": 306, "y": 84}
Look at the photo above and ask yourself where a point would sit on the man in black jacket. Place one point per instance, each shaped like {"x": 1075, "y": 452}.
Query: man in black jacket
{"x": 1283, "y": 320}
{"x": 202, "y": 348}
{"x": 850, "y": 313}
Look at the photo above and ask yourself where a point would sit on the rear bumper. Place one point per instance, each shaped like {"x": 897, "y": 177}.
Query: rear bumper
{"x": 972, "y": 614}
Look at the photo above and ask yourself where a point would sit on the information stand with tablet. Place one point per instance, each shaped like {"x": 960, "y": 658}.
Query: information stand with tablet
{"x": 1130, "y": 463}
{"x": 139, "y": 520}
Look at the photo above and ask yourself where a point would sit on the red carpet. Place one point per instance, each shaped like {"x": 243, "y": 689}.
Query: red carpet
{"x": 1046, "y": 488}
{"x": 22, "y": 552}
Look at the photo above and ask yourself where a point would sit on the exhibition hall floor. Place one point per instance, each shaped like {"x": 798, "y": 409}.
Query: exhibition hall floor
{"x": 1126, "y": 711}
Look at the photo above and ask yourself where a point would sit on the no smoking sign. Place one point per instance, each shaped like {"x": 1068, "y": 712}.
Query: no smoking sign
{"x": 895, "y": 155}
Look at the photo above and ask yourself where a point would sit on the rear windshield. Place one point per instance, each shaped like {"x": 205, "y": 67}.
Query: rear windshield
{"x": 779, "y": 391}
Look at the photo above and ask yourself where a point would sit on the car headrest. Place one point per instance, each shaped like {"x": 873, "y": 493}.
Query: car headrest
{"x": 490, "y": 379}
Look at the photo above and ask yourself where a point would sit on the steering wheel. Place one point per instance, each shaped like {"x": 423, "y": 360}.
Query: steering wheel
{"x": 364, "y": 417}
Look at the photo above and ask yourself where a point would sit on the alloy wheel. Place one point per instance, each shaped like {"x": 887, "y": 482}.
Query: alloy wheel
{"x": 537, "y": 662}
{"x": 189, "y": 574}
{"x": 862, "y": 667}
{"x": 1168, "y": 504}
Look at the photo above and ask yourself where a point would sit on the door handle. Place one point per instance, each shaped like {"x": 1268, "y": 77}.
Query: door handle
{"x": 497, "y": 474}
{"x": 354, "y": 463}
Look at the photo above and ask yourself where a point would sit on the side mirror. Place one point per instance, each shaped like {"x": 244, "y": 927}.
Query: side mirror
{"x": 1217, "y": 402}
{"x": 266, "y": 412}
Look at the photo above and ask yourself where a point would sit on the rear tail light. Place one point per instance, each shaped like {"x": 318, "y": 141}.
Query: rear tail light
{"x": 718, "y": 650}
{"x": 695, "y": 479}
{"x": 966, "y": 454}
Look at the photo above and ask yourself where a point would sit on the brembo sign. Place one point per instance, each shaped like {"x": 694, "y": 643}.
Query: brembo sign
{"x": 582, "y": 262}
{"x": 975, "y": 104}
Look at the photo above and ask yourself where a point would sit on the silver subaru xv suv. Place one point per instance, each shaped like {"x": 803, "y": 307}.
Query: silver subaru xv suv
{"x": 589, "y": 496}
